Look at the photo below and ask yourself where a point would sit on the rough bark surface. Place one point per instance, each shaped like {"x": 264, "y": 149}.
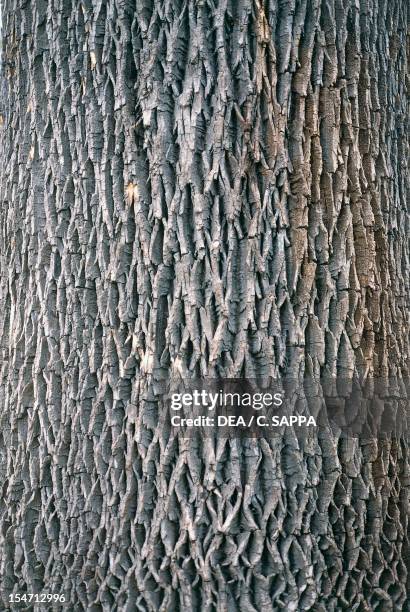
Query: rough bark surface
{"x": 199, "y": 188}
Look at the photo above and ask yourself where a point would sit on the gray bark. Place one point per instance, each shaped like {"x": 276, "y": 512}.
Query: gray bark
{"x": 199, "y": 188}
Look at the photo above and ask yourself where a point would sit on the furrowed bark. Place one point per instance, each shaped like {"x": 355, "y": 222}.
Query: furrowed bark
{"x": 190, "y": 189}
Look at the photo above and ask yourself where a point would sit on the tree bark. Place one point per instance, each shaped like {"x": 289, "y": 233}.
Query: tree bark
{"x": 209, "y": 188}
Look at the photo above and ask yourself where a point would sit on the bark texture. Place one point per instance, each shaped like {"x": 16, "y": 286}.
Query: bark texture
{"x": 199, "y": 188}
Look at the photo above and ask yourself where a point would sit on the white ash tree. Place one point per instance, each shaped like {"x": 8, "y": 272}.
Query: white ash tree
{"x": 209, "y": 188}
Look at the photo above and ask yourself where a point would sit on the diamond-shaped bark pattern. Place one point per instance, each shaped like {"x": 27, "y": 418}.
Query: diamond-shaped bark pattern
{"x": 199, "y": 188}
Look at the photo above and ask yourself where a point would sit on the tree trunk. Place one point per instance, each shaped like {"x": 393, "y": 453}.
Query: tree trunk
{"x": 199, "y": 188}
